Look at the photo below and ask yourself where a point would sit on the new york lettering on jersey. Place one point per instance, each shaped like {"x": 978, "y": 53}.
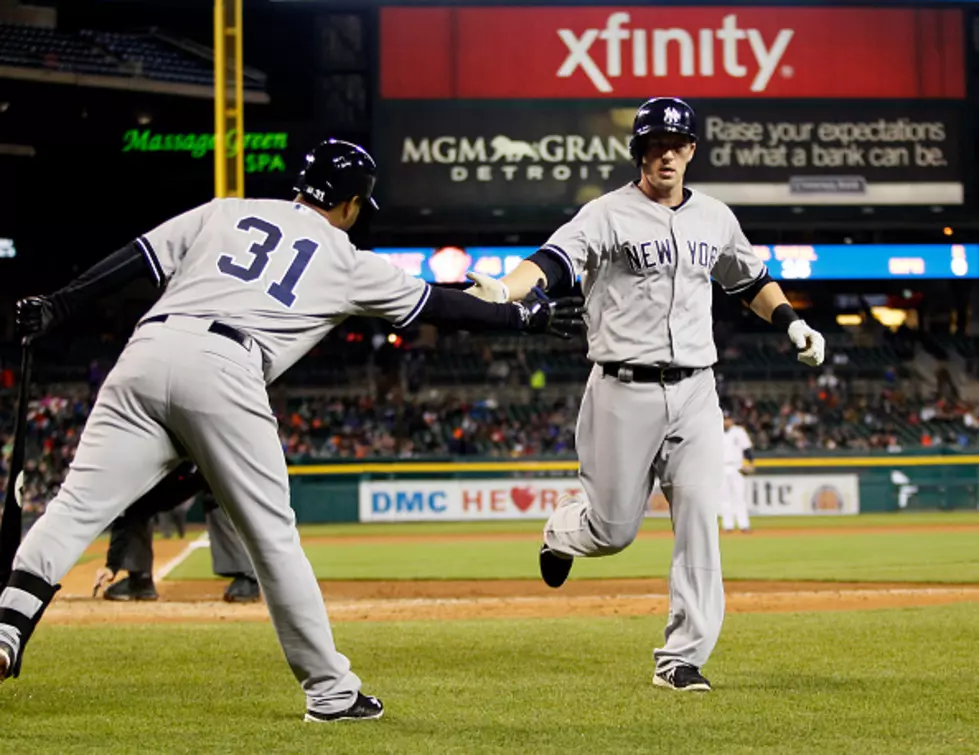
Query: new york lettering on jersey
{"x": 644, "y": 255}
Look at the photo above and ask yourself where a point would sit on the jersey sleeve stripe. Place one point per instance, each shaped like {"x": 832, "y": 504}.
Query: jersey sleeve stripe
{"x": 749, "y": 284}
{"x": 151, "y": 258}
{"x": 564, "y": 257}
{"x": 416, "y": 310}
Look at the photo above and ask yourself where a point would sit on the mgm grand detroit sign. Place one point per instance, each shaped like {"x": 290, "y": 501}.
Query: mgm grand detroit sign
{"x": 558, "y": 157}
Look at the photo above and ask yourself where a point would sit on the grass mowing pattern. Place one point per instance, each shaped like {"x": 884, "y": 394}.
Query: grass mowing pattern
{"x": 889, "y": 520}
{"x": 887, "y": 555}
{"x": 892, "y": 681}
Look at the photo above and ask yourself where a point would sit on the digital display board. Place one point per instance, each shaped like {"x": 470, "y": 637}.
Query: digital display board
{"x": 449, "y": 264}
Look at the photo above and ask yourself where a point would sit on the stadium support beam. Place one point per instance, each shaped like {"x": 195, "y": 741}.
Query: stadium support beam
{"x": 229, "y": 114}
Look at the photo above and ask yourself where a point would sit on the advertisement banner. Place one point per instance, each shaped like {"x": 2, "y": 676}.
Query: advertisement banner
{"x": 802, "y": 495}
{"x": 630, "y": 51}
{"x": 749, "y": 153}
{"x": 464, "y": 500}
{"x": 460, "y": 500}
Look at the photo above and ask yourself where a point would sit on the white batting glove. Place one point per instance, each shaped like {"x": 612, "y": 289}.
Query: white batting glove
{"x": 488, "y": 289}
{"x": 809, "y": 342}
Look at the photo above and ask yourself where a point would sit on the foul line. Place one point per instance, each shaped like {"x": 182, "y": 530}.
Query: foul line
{"x": 202, "y": 541}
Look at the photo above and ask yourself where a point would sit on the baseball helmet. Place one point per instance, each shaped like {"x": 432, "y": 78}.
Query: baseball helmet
{"x": 657, "y": 116}
{"x": 336, "y": 171}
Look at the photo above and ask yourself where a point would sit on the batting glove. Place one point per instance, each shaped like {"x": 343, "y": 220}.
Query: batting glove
{"x": 35, "y": 316}
{"x": 809, "y": 342}
{"x": 557, "y": 317}
{"x": 488, "y": 289}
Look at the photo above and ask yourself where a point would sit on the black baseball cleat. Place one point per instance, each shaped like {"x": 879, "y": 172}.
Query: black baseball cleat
{"x": 242, "y": 590}
{"x": 682, "y": 679}
{"x": 365, "y": 708}
{"x": 6, "y": 660}
{"x": 133, "y": 587}
{"x": 554, "y": 569}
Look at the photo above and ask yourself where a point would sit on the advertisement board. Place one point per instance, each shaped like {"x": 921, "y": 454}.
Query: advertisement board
{"x": 445, "y": 155}
{"x": 585, "y": 52}
{"x": 465, "y": 500}
{"x": 449, "y": 264}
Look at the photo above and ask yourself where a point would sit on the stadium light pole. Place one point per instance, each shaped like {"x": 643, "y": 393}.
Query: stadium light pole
{"x": 229, "y": 117}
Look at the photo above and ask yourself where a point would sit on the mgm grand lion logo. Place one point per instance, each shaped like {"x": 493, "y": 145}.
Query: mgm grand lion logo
{"x": 558, "y": 157}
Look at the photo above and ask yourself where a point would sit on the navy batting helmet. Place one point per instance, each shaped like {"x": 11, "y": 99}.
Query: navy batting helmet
{"x": 336, "y": 171}
{"x": 661, "y": 115}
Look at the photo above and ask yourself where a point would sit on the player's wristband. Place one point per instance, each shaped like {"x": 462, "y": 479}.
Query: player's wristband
{"x": 783, "y": 316}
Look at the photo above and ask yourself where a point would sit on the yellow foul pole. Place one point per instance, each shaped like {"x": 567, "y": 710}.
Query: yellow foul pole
{"x": 229, "y": 115}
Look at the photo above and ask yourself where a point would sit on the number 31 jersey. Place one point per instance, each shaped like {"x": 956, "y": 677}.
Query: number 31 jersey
{"x": 276, "y": 270}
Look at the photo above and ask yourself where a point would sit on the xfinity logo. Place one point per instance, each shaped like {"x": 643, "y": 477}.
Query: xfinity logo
{"x": 695, "y": 57}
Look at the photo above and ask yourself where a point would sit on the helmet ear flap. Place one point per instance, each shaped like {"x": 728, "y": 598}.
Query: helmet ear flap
{"x": 637, "y": 148}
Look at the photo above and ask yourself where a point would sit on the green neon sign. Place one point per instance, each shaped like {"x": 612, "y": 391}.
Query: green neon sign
{"x": 261, "y": 148}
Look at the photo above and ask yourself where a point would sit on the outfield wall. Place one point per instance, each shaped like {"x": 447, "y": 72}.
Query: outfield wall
{"x": 406, "y": 490}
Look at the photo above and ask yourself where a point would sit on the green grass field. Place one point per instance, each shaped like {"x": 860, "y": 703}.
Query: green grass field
{"x": 891, "y": 553}
{"x": 877, "y": 681}
{"x": 897, "y": 681}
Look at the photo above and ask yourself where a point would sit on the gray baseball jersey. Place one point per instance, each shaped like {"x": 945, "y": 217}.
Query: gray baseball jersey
{"x": 275, "y": 270}
{"x": 646, "y": 274}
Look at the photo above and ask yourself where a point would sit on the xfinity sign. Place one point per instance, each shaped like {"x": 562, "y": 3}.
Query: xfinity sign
{"x": 659, "y": 51}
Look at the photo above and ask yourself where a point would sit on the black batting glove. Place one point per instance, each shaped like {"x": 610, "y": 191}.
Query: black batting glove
{"x": 557, "y": 317}
{"x": 35, "y": 316}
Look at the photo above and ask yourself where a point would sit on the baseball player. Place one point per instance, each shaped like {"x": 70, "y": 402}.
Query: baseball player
{"x": 249, "y": 286}
{"x": 738, "y": 462}
{"x": 646, "y": 254}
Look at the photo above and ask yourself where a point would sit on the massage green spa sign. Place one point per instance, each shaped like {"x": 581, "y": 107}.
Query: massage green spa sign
{"x": 264, "y": 152}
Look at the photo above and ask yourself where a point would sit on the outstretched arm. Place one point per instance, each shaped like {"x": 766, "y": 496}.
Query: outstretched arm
{"x": 534, "y": 313}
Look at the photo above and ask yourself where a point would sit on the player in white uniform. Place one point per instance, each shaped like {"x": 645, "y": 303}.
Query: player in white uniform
{"x": 249, "y": 286}
{"x": 738, "y": 461}
{"x": 646, "y": 254}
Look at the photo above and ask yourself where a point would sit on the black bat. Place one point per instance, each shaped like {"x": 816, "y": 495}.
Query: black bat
{"x": 10, "y": 525}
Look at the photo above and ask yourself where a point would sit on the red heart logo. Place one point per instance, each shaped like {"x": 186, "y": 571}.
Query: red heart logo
{"x": 523, "y": 498}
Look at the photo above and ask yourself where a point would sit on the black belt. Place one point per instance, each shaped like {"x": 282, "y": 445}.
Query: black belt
{"x": 640, "y": 373}
{"x": 243, "y": 340}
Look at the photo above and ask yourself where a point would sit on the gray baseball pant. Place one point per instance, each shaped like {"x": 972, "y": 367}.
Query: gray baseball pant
{"x": 628, "y": 435}
{"x": 228, "y": 555}
{"x": 176, "y": 384}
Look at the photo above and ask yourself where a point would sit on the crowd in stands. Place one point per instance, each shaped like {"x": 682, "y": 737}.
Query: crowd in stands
{"x": 822, "y": 416}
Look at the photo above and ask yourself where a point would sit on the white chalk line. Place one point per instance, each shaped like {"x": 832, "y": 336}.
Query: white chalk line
{"x": 201, "y": 541}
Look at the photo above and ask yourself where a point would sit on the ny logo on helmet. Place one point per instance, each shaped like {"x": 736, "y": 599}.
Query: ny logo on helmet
{"x": 671, "y": 115}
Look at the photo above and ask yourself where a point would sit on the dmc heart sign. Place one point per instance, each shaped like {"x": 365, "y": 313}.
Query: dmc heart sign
{"x": 450, "y": 500}
{"x": 635, "y": 52}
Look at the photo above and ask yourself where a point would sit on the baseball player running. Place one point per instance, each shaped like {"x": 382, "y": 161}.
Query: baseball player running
{"x": 738, "y": 462}
{"x": 249, "y": 286}
{"x": 646, "y": 254}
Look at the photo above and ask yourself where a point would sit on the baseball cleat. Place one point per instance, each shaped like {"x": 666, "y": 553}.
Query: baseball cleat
{"x": 554, "y": 569}
{"x": 242, "y": 590}
{"x": 682, "y": 679}
{"x": 6, "y": 660}
{"x": 365, "y": 708}
{"x": 133, "y": 587}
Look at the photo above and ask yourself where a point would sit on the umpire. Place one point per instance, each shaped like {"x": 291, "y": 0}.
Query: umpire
{"x": 131, "y": 542}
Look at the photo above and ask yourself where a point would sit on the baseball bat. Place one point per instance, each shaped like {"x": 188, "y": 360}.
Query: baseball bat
{"x": 10, "y": 525}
